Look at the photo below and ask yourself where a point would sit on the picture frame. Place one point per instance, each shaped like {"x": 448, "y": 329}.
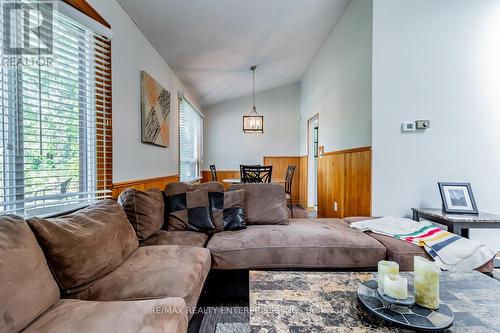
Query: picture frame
{"x": 457, "y": 198}
{"x": 155, "y": 112}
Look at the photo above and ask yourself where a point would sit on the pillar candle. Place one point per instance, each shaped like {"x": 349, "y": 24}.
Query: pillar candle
{"x": 385, "y": 267}
{"x": 426, "y": 283}
{"x": 395, "y": 286}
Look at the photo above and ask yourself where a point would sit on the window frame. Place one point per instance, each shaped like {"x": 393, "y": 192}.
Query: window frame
{"x": 200, "y": 161}
{"x": 104, "y": 150}
{"x": 103, "y": 125}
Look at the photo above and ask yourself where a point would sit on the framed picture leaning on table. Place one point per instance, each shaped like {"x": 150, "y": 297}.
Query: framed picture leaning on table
{"x": 457, "y": 198}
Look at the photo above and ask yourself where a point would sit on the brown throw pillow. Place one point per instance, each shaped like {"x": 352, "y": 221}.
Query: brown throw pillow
{"x": 264, "y": 203}
{"x": 27, "y": 288}
{"x": 189, "y": 211}
{"x": 144, "y": 210}
{"x": 83, "y": 246}
{"x": 227, "y": 210}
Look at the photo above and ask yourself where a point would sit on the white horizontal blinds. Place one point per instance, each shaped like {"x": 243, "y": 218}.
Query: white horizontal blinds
{"x": 190, "y": 142}
{"x": 55, "y": 132}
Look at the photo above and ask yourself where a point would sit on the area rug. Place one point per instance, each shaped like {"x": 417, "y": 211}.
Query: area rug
{"x": 233, "y": 328}
{"x": 221, "y": 319}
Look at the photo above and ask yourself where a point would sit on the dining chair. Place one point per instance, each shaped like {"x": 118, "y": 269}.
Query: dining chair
{"x": 213, "y": 172}
{"x": 241, "y": 169}
{"x": 288, "y": 186}
{"x": 258, "y": 174}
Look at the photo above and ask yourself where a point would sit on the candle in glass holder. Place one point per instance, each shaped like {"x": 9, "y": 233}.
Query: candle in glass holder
{"x": 385, "y": 267}
{"x": 395, "y": 286}
{"x": 426, "y": 283}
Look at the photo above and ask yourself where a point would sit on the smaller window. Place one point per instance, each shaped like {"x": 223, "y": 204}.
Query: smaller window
{"x": 190, "y": 142}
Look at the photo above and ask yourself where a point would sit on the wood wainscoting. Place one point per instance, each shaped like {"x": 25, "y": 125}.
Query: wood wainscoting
{"x": 280, "y": 165}
{"x": 143, "y": 184}
{"x": 344, "y": 178}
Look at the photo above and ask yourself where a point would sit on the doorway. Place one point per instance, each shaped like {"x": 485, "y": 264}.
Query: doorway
{"x": 312, "y": 161}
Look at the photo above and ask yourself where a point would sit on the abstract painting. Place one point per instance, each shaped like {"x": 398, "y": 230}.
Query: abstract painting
{"x": 155, "y": 108}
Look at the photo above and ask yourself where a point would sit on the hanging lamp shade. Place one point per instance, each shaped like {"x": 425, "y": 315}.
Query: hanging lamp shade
{"x": 253, "y": 122}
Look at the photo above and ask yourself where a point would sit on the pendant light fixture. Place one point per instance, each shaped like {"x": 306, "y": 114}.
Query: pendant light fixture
{"x": 253, "y": 123}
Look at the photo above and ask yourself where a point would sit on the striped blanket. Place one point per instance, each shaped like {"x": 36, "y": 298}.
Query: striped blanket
{"x": 449, "y": 251}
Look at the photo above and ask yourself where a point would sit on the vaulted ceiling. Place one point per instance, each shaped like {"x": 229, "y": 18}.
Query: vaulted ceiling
{"x": 210, "y": 44}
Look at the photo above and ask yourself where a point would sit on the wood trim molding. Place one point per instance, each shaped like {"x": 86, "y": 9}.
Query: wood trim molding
{"x": 143, "y": 184}
{"x": 84, "y": 7}
{"x": 348, "y": 151}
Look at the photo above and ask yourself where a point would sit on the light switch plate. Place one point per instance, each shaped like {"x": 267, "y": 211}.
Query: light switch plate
{"x": 408, "y": 126}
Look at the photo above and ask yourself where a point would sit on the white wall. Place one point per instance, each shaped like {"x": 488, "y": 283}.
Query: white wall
{"x": 227, "y": 146}
{"x": 132, "y": 52}
{"x": 437, "y": 60}
{"x": 338, "y": 83}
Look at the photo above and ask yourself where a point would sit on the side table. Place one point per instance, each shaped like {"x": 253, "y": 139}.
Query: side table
{"x": 459, "y": 223}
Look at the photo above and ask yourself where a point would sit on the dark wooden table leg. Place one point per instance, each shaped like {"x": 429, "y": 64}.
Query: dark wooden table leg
{"x": 458, "y": 230}
{"x": 464, "y": 232}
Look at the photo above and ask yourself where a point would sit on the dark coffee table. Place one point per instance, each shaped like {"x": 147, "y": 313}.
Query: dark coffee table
{"x": 327, "y": 302}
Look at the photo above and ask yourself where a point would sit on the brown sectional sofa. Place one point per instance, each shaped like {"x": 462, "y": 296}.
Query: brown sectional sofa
{"x": 31, "y": 302}
{"x": 126, "y": 284}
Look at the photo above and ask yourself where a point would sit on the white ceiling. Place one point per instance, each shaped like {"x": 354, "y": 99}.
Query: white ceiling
{"x": 210, "y": 44}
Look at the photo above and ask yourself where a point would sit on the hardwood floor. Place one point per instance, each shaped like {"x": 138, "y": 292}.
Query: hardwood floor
{"x": 301, "y": 213}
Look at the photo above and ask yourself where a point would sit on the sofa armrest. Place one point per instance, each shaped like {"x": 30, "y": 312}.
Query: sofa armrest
{"x": 168, "y": 315}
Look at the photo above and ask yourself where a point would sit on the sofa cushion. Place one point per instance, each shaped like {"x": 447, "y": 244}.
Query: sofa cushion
{"x": 154, "y": 272}
{"x": 264, "y": 203}
{"x": 188, "y": 238}
{"x": 227, "y": 210}
{"x": 161, "y": 315}
{"x": 144, "y": 210}
{"x": 304, "y": 243}
{"x": 189, "y": 211}
{"x": 27, "y": 287}
{"x": 85, "y": 245}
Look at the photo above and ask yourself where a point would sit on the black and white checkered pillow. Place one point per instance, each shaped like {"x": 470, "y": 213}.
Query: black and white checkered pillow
{"x": 189, "y": 211}
{"x": 227, "y": 211}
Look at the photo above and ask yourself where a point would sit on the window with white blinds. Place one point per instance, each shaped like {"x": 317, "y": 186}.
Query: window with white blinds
{"x": 55, "y": 135}
{"x": 190, "y": 142}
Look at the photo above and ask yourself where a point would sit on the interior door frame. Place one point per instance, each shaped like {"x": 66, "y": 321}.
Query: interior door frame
{"x": 312, "y": 118}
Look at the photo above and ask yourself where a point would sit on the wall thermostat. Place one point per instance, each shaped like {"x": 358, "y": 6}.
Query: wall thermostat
{"x": 408, "y": 126}
{"x": 423, "y": 124}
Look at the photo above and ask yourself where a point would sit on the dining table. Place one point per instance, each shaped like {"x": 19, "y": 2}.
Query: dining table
{"x": 238, "y": 181}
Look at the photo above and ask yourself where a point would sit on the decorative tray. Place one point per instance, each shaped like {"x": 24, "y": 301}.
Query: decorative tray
{"x": 413, "y": 317}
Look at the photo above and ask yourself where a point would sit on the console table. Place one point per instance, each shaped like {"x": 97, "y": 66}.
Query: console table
{"x": 458, "y": 223}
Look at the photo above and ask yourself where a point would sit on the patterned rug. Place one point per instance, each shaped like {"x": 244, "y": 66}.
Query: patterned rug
{"x": 233, "y": 328}
{"x": 222, "y": 319}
